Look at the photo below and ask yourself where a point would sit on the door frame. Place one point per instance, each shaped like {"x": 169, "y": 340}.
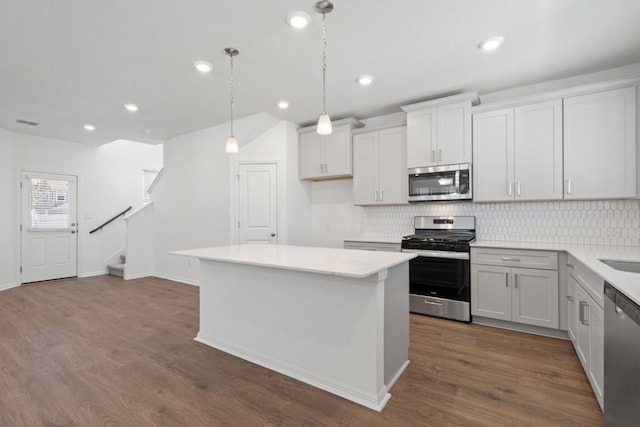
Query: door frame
{"x": 234, "y": 198}
{"x": 18, "y": 247}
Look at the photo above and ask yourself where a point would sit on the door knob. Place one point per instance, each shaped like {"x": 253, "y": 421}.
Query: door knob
{"x": 273, "y": 234}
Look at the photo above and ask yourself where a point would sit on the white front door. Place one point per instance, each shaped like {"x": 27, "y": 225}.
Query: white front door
{"x": 48, "y": 225}
{"x": 257, "y": 203}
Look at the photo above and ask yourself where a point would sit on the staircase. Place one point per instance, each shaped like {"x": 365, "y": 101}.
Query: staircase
{"x": 118, "y": 269}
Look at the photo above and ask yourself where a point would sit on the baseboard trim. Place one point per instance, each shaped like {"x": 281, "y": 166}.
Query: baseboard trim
{"x": 136, "y": 276}
{"x": 92, "y": 274}
{"x": 9, "y": 286}
{"x": 518, "y": 327}
{"x": 175, "y": 279}
{"x": 369, "y": 400}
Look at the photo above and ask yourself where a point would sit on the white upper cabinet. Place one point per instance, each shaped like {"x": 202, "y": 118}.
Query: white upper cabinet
{"x": 439, "y": 131}
{"x": 326, "y": 156}
{"x": 421, "y": 138}
{"x": 518, "y": 153}
{"x": 600, "y": 145}
{"x": 379, "y": 167}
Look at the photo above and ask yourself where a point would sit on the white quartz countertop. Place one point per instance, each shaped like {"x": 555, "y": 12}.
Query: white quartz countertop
{"x": 397, "y": 240}
{"x": 341, "y": 262}
{"x": 589, "y": 255}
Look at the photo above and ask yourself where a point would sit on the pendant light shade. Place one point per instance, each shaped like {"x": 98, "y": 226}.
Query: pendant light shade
{"x": 324, "y": 122}
{"x": 324, "y": 125}
{"x": 232, "y": 143}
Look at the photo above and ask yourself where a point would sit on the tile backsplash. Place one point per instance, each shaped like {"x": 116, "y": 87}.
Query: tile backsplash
{"x": 601, "y": 222}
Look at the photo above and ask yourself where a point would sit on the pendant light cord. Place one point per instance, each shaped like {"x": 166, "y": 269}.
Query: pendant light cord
{"x": 231, "y": 87}
{"x": 324, "y": 63}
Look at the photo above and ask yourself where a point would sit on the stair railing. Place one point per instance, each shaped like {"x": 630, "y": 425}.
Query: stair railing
{"x": 110, "y": 221}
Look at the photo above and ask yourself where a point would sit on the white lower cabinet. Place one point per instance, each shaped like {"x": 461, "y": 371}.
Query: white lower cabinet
{"x": 586, "y": 323}
{"x": 515, "y": 294}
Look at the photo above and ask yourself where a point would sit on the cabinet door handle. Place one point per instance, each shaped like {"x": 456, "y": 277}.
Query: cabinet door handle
{"x": 510, "y": 188}
{"x": 433, "y": 156}
{"x": 570, "y": 266}
{"x": 375, "y": 195}
{"x": 569, "y": 298}
{"x": 440, "y": 154}
{"x": 381, "y": 195}
{"x": 321, "y": 168}
{"x": 506, "y": 279}
{"x": 515, "y": 280}
{"x": 569, "y": 186}
{"x": 518, "y": 188}
{"x": 582, "y": 316}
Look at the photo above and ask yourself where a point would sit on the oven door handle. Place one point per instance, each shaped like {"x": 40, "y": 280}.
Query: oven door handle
{"x": 438, "y": 254}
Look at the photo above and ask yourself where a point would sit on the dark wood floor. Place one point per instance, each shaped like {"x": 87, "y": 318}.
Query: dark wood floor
{"x": 106, "y": 352}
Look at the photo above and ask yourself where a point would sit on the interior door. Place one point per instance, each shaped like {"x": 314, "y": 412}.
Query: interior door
{"x": 48, "y": 225}
{"x": 257, "y": 203}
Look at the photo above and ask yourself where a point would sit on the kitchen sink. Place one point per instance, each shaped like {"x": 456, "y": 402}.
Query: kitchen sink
{"x": 629, "y": 266}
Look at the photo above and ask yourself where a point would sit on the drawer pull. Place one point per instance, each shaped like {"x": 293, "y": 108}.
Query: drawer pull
{"x": 506, "y": 258}
{"x": 582, "y": 316}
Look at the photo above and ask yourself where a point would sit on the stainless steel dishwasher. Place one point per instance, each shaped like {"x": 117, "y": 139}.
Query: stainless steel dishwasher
{"x": 621, "y": 359}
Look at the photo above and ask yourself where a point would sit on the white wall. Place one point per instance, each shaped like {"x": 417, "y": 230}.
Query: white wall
{"x": 194, "y": 199}
{"x": 139, "y": 242}
{"x": 109, "y": 180}
{"x": 8, "y": 225}
{"x": 334, "y": 216}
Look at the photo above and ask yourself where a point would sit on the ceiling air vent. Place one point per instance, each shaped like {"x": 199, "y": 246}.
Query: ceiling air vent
{"x": 27, "y": 122}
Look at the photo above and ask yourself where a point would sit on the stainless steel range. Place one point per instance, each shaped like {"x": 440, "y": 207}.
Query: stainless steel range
{"x": 439, "y": 278}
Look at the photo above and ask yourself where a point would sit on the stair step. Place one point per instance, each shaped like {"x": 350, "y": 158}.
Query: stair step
{"x": 116, "y": 269}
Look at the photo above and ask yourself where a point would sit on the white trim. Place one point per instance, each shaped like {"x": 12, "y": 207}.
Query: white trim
{"x": 93, "y": 274}
{"x": 520, "y": 327}
{"x": 372, "y": 401}
{"x": 393, "y": 380}
{"x": 21, "y": 170}
{"x": 136, "y": 276}
{"x": 8, "y": 286}
{"x": 135, "y": 211}
{"x": 442, "y": 101}
{"x": 233, "y": 195}
{"x": 157, "y": 178}
{"x": 176, "y": 279}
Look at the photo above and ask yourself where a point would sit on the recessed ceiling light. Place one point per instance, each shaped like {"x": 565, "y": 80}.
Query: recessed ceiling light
{"x": 203, "y": 66}
{"x": 131, "y": 107}
{"x": 298, "y": 19}
{"x": 492, "y": 43}
{"x": 283, "y": 105}
{"x": 89, "y": 127}
{"x": 148, "y": 131}
{"x": 365, "y": 80}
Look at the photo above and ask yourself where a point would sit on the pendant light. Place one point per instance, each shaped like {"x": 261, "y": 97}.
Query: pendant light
{"x": 324, "y": 123}
{"x": 232, "y": 143}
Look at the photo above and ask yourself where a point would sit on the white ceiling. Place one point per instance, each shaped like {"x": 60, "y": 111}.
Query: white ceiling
{"x": 65, "y": 63}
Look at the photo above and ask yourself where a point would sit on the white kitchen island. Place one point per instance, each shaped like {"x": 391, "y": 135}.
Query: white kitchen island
{"x": 334, "y": 318}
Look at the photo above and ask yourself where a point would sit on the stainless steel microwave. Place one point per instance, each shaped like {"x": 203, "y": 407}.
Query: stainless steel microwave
{"x": 449, "y": 182}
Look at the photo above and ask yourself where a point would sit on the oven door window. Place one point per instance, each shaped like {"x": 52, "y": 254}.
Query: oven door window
{"x": 439, "y": 277}
{"x": 433, "y": 184}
